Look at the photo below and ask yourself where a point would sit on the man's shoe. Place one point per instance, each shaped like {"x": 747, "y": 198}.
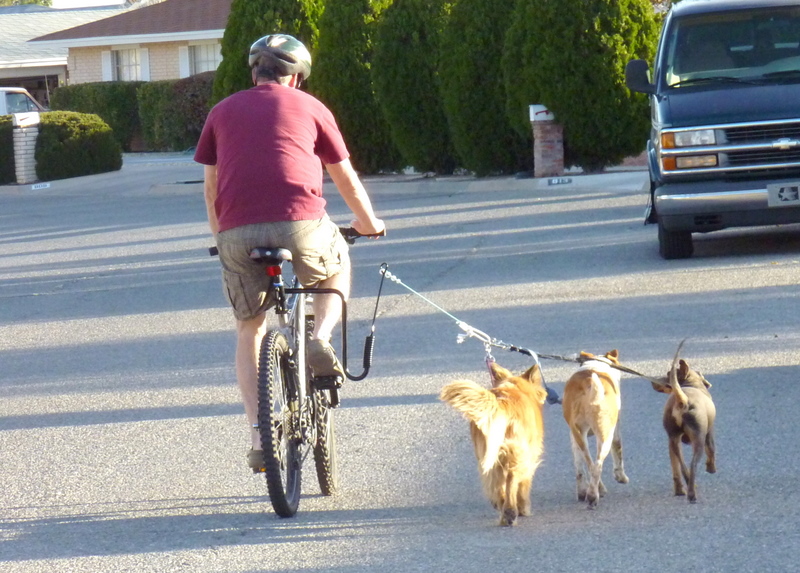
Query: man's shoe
{"x": 322, "y": 359}
{"x": 255, "y": 459}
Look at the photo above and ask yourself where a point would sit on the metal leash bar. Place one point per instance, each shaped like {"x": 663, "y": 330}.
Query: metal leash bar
{"x": 489, "y": 342}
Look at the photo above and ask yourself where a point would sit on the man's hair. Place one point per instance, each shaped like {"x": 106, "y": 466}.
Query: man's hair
{"x": 267, "y": 71}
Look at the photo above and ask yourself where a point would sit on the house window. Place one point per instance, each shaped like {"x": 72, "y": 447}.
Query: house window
{"x": 204, "y": 58}
{"x": 126, "y": 65}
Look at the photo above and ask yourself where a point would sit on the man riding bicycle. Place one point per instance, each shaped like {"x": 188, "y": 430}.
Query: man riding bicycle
{"x": 263, "y": 151}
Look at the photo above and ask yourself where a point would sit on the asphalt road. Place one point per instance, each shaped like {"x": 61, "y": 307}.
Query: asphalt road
{"x": 122, "y": 441}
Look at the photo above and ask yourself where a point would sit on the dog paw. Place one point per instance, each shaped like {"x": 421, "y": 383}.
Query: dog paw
{"x": 621, "y": 477}
{"x": 581, "y": 496}
{"x": 711, "y": 468}
{"x": 508, "y": 518}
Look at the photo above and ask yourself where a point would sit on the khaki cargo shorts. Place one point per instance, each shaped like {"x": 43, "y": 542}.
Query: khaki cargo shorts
{"x": 318, "y": 252}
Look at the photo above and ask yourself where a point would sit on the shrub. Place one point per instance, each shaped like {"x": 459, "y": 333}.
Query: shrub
{"x": 248, "y": 21}
{"x": 173, "y": 112}
{"x": 7, "y": 166}
{"x": 192, "y": 104}
{"x": 114, "y": 102}
{"x": 570, "y": 56}
{"x": 156, "y": 113}
{"x": 473, "y": 91}
{"x": 405, "y": 76}
{"x": 342, "y": 80}
{"x": 73, "y": 144}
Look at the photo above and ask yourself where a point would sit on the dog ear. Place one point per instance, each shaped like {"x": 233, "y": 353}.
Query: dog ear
{"x": 706, "y": 382}
{"x": 587, "y": 355}
{"x": 683, "y": 370}
{"x": 498, "y": 373}
{"x": 613, "y": 356}
{"x": 534, "y": 375}
{"x": 660, "y": 385}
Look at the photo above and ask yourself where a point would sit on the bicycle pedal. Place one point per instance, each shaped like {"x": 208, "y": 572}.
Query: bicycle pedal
{"x": 328, "y": 382}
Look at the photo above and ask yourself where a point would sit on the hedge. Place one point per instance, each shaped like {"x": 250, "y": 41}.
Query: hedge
{"x": 114, "y": 102}
{"x": 571, "y": 57}
{"x": 405, "y": 75}
{"x": 473, "y": 89}
{"x": 73, "y": 144}
{"x": 342, "y": 81}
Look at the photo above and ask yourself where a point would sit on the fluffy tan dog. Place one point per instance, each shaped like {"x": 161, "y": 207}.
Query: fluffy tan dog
{"x": 591, "y": 406}
{"x": 507, "y": 431}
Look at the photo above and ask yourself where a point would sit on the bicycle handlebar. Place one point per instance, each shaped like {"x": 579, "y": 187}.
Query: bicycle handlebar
{"x": 350, "y": 234}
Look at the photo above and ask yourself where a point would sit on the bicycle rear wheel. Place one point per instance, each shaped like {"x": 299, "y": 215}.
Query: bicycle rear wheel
{"x": 325, "y": 447}
{"x": 278, "y": 414}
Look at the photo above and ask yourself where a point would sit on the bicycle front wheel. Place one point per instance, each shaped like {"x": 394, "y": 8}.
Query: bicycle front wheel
{"x": 325, "y": 448}
{"x": 278, "y": 421}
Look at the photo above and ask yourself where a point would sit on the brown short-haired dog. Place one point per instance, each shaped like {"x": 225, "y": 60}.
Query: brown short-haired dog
{"x": 591, "y": 405}
{"x": 507, "y": 433}
{"x": 689, "y": 418}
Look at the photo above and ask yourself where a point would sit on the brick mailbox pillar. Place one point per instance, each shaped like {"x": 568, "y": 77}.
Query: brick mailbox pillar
{"x": 548, "y": 143}
{"x": 26, "y": 130}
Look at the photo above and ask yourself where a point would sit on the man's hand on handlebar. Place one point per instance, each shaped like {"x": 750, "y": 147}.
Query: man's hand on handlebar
{"x": 375, "y": 228}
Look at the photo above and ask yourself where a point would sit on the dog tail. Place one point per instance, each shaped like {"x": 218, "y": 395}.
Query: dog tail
{"x": 479, "y": 406}
{"x": 682, "y": 401}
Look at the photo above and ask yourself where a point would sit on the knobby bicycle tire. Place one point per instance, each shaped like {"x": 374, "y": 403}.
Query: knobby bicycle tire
{"x": 325, "y": 447}
{"x": 278, "y": 406}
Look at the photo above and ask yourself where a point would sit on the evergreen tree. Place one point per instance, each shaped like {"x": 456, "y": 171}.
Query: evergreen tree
{"x": 473, "y": 91}
{"x": 570, "y": 55}
{"x": 405, "y": 75}
{"x": 248, "y": 21}
{"x": 342, "y": 80}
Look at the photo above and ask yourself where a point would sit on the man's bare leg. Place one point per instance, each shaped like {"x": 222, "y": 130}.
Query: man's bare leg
{"x": 248, "y": 339}
{"x": 328, "y": 307}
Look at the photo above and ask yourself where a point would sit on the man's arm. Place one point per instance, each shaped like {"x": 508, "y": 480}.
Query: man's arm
{"x": 354, "y": 194}
{"x": 210, "y": 191}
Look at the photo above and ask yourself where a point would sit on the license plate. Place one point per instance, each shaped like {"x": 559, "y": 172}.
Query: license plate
{"x": 784, "y": 194}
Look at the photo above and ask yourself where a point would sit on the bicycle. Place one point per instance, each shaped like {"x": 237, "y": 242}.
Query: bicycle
{"x": 295, "y": 409}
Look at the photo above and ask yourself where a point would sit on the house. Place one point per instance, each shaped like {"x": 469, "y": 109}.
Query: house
{"x": 163, "y": 40}
{"x": 39, "y": 68}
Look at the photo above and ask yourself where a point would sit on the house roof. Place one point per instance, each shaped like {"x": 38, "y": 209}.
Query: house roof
{"x": 165, "y": 21}
{"x": 19, "y": 26}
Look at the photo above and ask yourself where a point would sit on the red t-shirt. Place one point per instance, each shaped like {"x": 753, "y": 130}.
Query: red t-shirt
{"x": 269, "y": 144}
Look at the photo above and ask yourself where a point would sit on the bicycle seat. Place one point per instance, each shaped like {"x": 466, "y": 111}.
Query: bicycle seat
{"x": 271, "y": 256}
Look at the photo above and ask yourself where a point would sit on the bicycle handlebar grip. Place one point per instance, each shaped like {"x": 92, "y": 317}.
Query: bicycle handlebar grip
{"x": 350, "y": 234}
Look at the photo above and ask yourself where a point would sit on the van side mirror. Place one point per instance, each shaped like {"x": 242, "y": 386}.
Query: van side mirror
{"x": 636, "y": 77}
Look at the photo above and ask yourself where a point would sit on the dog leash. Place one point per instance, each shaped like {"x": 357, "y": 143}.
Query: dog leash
{"x": 471, "y": 332}
{"x": 490, "y": 342}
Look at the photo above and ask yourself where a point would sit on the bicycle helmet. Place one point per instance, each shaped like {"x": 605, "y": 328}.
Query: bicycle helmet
{"x": 285, "y": 54}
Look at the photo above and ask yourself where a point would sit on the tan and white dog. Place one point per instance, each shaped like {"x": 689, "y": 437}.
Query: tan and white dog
{"x": 591, "y": 406}
{"x": 507, "y": 432}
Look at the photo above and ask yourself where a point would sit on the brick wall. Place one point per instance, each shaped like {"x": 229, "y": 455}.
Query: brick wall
{"x": 164, "y": 61}
{"x": 85, "y": 65}
{"x": 548, "y": 149}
